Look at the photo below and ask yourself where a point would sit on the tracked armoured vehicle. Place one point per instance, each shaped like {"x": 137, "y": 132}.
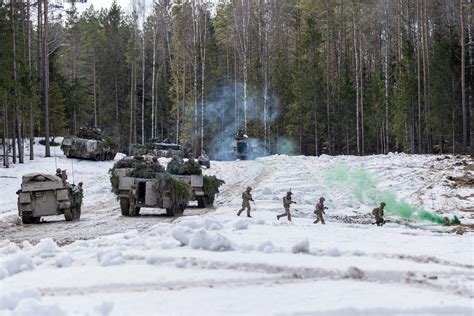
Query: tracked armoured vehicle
{"x": 46, "y": 195}
{"x": 89, "y": 144}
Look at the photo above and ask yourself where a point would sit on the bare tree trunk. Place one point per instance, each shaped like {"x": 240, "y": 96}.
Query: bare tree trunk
{"x": 463, "y": 90}
{"x": 203, "y": 78}
{"x": 195, "y": 67}
{"x": 316, "y": 142}
{"x": 471, "y": 70}
{"x": 130, "y": 136}
{"x": 328, "y": 74}
{"x": 94, "y": 75}
{"x": 387, "y": 90}
{"x": 356, "y": 57}
{"x": 418, "y": 68}
{"x": 6, "y": 161}
{"x": 46, "y": 80}
{"x": 30, "y": 70}
{"x": 17, "y": 130}
{"x": 143, "y": 72}
{"x": 361, "y": 85}
{"x": 153, "y": 114}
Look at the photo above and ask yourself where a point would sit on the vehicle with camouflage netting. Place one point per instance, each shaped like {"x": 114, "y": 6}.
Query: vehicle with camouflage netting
{"x": 138, "y": 183}
{"x": 203, "y": 188}
{"x": 89, "y": 144}
{"x": 46, "y": 195}
{"x": 164, "y": 148}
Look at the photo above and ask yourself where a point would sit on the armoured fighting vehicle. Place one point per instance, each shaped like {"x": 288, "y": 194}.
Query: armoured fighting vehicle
{"x": 203, "y": 188}
{"x": 138, "y": 183}
{"x": 164, "y": 148}
{"x": 89, "y": 144}
{"x": 46, "y": 195}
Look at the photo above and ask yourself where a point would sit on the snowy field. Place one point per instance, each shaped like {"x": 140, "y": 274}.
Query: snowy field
{"x": 211, "y": 262}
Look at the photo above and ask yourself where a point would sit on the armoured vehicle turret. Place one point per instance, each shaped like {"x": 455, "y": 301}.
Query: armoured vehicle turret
{"x": 89, "y": 144}
{"x": 46, "y": 195}
{"x": 164, "y": 148}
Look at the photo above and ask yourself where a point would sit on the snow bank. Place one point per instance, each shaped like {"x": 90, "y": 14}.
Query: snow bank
{"x": 109, "y": 257}
{"x": 208, "y": 241}
{"x": 301, "y": 247}
{"x": 266, "y": 247}
{"x": 182, "y": 234}
{"x": 64, "y": 260}
{"x": 10, "y": 300}
{"x": 29, "y": 306}
{"x": 241, "y": 224}
{"x": 104, "y": 309}
{"x": 14, "y": 264}
{"x": 208, "y": 223}
{"x": 45, "y": 246}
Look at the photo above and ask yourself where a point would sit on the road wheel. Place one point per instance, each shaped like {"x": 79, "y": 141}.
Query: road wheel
{"x": 201, "y": 202}
{"x": 137, "y": 211}
{"x": 171, "y": 211}
{"x": 125, "y": 206}
{"x": 26, "y": 219}
{"x": 68, "y": 214}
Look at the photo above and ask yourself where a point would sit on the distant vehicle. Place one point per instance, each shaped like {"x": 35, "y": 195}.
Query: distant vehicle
{"x": 158, "y": 148}
{"x": 89, "y": 144}
{"x": 47, "y": 195}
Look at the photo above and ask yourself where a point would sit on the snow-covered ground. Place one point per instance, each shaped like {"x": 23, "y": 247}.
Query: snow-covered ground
{"x": 211, "y": 262}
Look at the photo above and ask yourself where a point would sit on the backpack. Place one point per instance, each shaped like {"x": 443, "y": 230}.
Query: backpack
{"x": 375, "y": 211}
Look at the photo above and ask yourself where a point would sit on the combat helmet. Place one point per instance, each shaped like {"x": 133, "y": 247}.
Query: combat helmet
{"x": 249, "y": 189}
{"x": 382, "y": 204}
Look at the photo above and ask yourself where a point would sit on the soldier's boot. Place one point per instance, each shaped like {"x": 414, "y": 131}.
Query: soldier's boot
{"x": 322, "y": 221}
{"x": 240, "y": 212}
{"x": 248, "y": 213}
{"x": 289, "y": 217}
{"x": 316, "y": 221}
{"x": 278, "y": 217}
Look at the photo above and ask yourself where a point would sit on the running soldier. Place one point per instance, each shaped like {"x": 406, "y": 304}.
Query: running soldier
{"x": 286, "y": 204}
{"x": 319, "y": 211}
{"x": 246, "y": 198}
{"x": 378, "y": 213}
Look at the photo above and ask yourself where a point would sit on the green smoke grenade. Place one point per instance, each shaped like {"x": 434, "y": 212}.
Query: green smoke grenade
{"x": 362, "y": 185}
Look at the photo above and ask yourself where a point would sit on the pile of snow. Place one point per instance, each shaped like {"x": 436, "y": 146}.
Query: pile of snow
{"x": 241, "y": 224}
{"x": 301, "y": 247}
{"x": 203, "y": 239}
{"x": 109, "y": 257}
{"x": 64, "y": 260}
{"x": 14, "y": 264}
{"x": 27, "y": 302}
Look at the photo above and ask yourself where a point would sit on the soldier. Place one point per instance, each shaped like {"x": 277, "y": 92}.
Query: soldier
{"x": 174, "y": 165}
{"x": 286, "y": 204}
{"x": 246, "y": 198}
{"x": 61, "y": 174}
{"x": 320, "y": 211}
{"x": 378, "y": 213}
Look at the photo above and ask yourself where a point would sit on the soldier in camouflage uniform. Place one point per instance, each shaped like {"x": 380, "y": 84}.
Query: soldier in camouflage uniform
{"x": 286, "y": 204}
{"x": 246, "y": 198}
{"x": 320, "y": 211}
{"x": 378, "y": 213}
{"x": 174, "y": 165}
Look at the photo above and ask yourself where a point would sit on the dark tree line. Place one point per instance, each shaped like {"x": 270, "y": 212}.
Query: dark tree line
{"x": 333, "y": 77}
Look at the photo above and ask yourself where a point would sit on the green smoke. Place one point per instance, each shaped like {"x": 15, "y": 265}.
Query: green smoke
{"x": 363, "y": 187}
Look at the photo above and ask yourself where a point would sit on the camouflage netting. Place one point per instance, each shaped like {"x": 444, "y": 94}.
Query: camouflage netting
{"x": 145, "y": 149}
{"x": 90, "y": 133}
{"x": 211, "y": 184}
{"x": 141, "y": 169}
{"x": 180, "y": 190}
